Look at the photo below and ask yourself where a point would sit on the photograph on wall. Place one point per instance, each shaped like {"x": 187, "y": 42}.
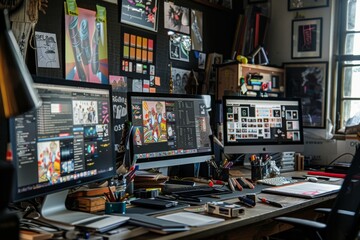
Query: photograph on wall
{"x": 176, "y": 18}
{"x": 86, "y": 57}
{"x": 197, "y": 30}
{"x": 180, "y": 46}
{"x": 139, "y": 13}
{"x": 306, "y": 38}
{"x": 308, "y": 81}
{"x": 180, "y": 78}
{"x": 201, "y": 60}
{"x": 47, "y": 52}
{"x": 138, "y": 53}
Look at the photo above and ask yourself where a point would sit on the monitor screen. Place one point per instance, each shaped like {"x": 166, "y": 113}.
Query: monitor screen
{"x": 66, "y": 142}
{"x": 169, "y": 129}
{"x": 262, "y": 125}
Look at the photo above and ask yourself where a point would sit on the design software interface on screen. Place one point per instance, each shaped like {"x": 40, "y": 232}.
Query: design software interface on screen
{"x": 65, "y": 142}
{"x": 263, "y": 122}
{"x": 168, "y": 127}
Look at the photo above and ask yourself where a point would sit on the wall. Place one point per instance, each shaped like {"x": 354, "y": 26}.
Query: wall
{"x": 318, "y": 145}
{"x": 217, "y": 34}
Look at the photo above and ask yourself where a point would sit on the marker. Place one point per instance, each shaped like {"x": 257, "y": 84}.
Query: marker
{"x": 272, "y": 203}
{"x": 247, "y": 201}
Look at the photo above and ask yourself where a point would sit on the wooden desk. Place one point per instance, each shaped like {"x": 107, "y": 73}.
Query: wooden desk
{"x": 255, "y": 222}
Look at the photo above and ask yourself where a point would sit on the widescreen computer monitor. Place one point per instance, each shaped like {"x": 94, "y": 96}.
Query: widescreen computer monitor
{"x": 65, "y": 143}
{"x": 262, "y": 125}
{"x": 169, "y": 129}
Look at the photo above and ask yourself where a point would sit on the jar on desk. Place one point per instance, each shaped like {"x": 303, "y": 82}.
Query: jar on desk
{"x": 259, "y": 170}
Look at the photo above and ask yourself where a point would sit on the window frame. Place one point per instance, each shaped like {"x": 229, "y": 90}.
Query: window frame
{"x": 342, "y": 61}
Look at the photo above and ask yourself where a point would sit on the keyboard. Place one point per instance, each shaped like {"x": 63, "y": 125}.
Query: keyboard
{"x": 194, "y": 191}
{"x": 277, "y": 181}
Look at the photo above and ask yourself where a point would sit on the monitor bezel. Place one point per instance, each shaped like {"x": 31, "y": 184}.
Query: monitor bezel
{"x": 168, "y": 161}
{"x": 263, "y": 146}
{"x": 101, "y": 177}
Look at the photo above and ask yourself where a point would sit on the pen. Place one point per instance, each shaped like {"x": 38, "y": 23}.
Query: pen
{"x": 272, "y": 203}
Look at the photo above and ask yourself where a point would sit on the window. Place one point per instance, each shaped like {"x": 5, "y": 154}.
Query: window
{"x": 348, "y": 62}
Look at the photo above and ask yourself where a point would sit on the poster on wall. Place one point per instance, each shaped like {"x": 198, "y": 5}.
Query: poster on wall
{"x": 308, "y": 81}
{"x": 176, "y": 18}
{"x": 142, "y": 14}
{"x": 86, "y": 56}
{"x": 180, "y": 46}
{"x": 138, "y": 56}
{"x": 197, "y": 30}
{"x": 47, "y": 53}
{"x": 180, "y": 78}
{"x": 119, "y": 100}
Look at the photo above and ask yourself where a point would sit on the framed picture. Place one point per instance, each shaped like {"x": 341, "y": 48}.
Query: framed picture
{"x": 137, "y": 15}
{"x": 294, "y": 5}
{"x": 306, "y": 38}
{"x": 308, "y": 81}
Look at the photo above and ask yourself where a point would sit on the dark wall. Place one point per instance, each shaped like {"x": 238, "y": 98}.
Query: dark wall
{"x": 218, "y": 32}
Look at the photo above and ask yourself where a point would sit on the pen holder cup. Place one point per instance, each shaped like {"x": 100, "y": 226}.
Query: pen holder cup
{"x": 115, "y": 207}
{"x": 258, "y": 171}
{"x": 222, "y": 174}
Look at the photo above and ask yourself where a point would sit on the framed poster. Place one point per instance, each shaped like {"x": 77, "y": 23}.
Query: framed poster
{"x": 308, "y": 81}
{"x": 306, "y": 38}
{"x": 295, "y": 5}
{"x": 138, "y": 14}
{"x": 176, "y": 18}
{"x": 138, "y": 57}
{"x": 179, "y": 47}
{"x": 86, "y": 50}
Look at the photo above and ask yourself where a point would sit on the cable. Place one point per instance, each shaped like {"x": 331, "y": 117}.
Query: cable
{"x": 344, "y": 154}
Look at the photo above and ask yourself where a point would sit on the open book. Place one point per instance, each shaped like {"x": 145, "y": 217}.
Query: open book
{"x": 304, "y": 189}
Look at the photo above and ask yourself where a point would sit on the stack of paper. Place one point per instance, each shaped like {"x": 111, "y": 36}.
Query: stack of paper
{"x": 191, "y": 219}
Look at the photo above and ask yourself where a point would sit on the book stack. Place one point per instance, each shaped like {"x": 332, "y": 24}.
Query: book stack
{"x": 90, "y": 204}
{"x": 89, "y": 199}
{"x": 287, "y": 162}
{"x": 149, "y": 180}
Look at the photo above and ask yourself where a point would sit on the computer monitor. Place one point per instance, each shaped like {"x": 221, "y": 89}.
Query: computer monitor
{"x": 262, "y": 125}
{"x": 67, "y": 142}
{"x": 169, "y": 129}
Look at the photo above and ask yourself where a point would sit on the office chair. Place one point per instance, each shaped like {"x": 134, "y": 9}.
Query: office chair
{"x": 343, "y": 219}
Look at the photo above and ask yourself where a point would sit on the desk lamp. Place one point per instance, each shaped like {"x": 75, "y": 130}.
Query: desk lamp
{"x": 261, "y": 54}
{"x": 17, "y": 97}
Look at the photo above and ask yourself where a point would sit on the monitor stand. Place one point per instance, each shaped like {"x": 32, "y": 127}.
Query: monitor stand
{"x": 54, "y": 209}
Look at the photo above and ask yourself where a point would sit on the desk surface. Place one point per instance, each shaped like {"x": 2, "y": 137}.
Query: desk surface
{"x": 255, "y": 222}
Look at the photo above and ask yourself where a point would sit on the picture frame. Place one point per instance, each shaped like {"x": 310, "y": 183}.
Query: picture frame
{"x": 295, "y": 5}
{"x": 306, "y": 38}
{"x": 131, "y": 14}
{"x": 308, "y": 81}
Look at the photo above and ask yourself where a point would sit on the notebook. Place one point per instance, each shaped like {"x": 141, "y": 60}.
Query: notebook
{"x": 191, "y": 219}
{"x": 304, "y": 189}
{"x": 156, "y": 224}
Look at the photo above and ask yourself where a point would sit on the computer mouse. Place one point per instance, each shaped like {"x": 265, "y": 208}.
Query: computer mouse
{"x": 312, "y": 179}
